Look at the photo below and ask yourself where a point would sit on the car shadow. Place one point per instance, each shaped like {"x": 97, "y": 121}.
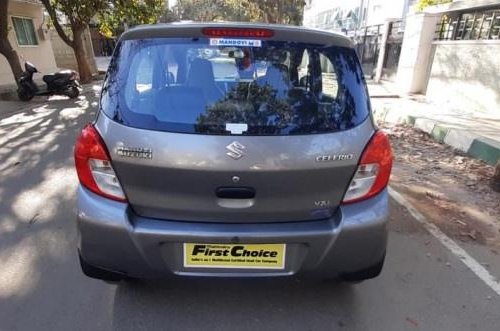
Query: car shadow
{"x": 228, "y": 304}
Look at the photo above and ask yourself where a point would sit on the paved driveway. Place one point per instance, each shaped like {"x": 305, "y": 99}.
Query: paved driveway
{"x": 423, "y": 286}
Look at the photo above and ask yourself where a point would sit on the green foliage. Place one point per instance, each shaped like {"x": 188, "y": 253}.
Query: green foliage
{"x": 131, "y": 13}
{"x": 77, "y": 12}
{"x": 422, "y": 4}
{"x": 268, "y": 11}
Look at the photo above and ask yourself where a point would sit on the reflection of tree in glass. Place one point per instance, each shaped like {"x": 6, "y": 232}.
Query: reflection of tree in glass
{"x": 349, "y": 73}
{"x": 248, "y": 103}
{"x": 265, "y": 113}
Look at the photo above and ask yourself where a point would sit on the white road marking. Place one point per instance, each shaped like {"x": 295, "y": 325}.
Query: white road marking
{"x": 468, "y": 260}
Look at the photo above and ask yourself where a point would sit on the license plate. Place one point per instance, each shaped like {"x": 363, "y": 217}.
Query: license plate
{"x": 239, "y": 256}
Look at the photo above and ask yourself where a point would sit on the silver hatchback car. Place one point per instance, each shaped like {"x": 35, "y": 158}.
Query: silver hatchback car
{"x": 233, "y": 150}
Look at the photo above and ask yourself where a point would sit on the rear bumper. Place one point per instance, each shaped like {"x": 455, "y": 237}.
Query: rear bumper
{"x": 112, "y": 237}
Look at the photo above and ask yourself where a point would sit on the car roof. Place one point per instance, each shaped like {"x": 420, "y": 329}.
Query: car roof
{"x": 281, "y": 32}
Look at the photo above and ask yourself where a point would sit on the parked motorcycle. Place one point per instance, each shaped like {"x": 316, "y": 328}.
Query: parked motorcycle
{"x": 60, "y": 83}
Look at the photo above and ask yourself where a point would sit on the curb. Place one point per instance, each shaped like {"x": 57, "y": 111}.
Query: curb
{"x": 474, "y": 145}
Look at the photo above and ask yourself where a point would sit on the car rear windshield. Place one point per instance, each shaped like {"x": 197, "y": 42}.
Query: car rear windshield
{"x": 234, "y": 86}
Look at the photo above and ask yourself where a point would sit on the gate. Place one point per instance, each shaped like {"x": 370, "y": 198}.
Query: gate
{"x": 393, "y": 49}
{"x": 368, "y": 40}
{"x": 368, "y": 44}
{"x": 102, "y": 46}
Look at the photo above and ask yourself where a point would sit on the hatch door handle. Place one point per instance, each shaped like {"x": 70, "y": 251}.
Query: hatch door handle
{"x": 235, "y": 192}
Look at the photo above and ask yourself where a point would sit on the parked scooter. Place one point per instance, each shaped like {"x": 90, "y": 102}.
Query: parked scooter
{"x": 60, "y": 83}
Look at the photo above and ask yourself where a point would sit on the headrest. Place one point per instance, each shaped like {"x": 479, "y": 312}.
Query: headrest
{"x": 200, "y": 73}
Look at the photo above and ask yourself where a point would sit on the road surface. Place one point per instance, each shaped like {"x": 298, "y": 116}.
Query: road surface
{"x": 424, "y": 286}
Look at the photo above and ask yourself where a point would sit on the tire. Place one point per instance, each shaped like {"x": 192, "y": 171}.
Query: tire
{"x": 72, "y": 92}
{"x": 25, "y": 95}
{"x": 98, "y": 273}
{"x": 368, "y": 273}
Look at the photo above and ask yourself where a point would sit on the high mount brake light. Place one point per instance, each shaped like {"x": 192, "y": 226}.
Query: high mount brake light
{"x": 93, "y": 165}
{"x": 238, "y": 32}
{"x": 374, "y": 170}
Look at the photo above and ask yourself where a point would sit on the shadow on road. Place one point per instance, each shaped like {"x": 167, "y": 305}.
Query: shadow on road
{"x": 37, "y": 201}
{"x": 228, "y": 304}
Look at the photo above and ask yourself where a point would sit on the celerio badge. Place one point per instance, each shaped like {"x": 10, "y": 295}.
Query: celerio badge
{"x": 236, "y": 150}
{"x": 334, "y": 157}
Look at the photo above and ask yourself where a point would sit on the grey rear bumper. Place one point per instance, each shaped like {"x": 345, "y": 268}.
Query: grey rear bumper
{"x": 112, "y": 237}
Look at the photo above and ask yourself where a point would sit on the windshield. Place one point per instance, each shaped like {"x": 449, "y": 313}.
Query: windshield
{"x": 234, "y": 86}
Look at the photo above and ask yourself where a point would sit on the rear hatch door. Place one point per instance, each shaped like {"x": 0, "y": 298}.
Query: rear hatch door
{"x": 234, "y": 129}
{"x": 194, "y": 177}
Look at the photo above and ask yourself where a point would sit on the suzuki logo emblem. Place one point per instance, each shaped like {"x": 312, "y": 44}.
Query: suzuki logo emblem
{"x": 236, "y": 150}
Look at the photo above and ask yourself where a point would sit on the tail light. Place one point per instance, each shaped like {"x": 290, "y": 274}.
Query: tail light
{"x": 238, "y": 32}
{"x": 373, "y": 171}
{"x": 93, "y": 165}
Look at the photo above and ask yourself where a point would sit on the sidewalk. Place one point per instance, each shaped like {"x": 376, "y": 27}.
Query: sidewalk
{"x": 9, "y": 107}
{"x": 476, "y": 133}
{"x": 102, "y": 63}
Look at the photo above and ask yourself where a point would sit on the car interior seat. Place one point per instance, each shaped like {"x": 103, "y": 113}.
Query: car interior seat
{"x": 201, "y": 75}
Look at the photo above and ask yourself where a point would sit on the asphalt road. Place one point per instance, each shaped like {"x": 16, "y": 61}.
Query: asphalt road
{"x": 423, "y": 285}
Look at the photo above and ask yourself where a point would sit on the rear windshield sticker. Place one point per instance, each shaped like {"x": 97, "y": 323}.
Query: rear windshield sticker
{"x": 236, "y": 128}
{"x": 235, "y": 42}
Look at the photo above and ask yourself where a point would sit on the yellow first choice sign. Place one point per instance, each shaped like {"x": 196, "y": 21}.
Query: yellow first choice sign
{"x": 241, "y": 256}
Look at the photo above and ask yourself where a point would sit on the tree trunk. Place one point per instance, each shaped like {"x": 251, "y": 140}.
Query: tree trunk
{"x": 80, "y": 54}
{"x": 13, "y": 59}
{"x": 279, "y": 18}
{"x": 495, "y": 181}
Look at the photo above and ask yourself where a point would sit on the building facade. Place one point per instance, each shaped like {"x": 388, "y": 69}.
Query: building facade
{"x": 349, "y": 15}
{"x": 374, "y": 12}
{"x": 28, "y": 35}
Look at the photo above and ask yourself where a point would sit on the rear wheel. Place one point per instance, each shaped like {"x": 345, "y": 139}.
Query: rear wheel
{"x": 25, "y": 95}
{"x": 361, "y": 275}
{"x": 73, "y": 92}
{"x": 98, "y": 273}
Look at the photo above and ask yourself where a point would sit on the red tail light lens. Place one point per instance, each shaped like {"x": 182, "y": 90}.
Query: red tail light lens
{"x": 238, "y": 32}
{"x": 374, "y": 170}
{"x": 93, "y": 165}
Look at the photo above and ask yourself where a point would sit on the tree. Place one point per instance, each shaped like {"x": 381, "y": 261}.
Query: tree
{"x": 130, "y": 12}
{"x": 78, "y": 15}
{"x": 281, "y": 11}
{"x": 209, "y": 10}
{"x": 268, "y": 11}
{"x": 5, "y": 46}
{"x": 422, "y": 4}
